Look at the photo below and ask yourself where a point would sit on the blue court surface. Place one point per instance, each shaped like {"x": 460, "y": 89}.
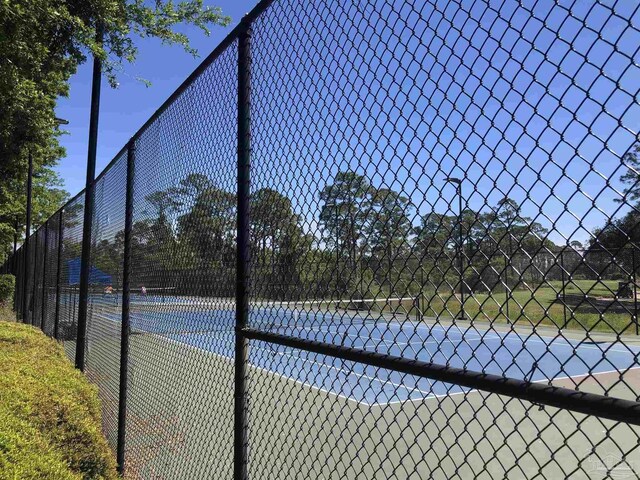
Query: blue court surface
{"x": 531, "y": 357}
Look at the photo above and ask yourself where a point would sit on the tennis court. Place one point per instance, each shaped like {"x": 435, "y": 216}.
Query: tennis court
{"x": 532, "y": 357}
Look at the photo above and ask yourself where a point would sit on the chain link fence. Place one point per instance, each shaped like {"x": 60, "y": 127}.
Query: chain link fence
{"x": 382, "y": 239}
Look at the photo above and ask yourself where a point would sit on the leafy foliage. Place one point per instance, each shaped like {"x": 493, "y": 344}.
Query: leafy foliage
{"x": 621, "y": 236}
{"x": 49, "y": 414}
{"x": 7, "y": 286}
{"x": 42, "y": 42}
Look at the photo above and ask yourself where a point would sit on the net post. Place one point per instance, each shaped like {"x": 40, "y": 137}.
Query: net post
{"x": 44, "y": 274}
{"x": 126, "y": 288}
{"x": 242, "y": 258}
{"x": 88, "y": 209}
{"x": 56, "y": 320}
{"x": 564, "y": 300}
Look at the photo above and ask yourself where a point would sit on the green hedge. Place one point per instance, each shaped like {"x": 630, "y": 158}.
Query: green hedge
{"x": 7, "y": 287}
{"x": 49, "y": 413}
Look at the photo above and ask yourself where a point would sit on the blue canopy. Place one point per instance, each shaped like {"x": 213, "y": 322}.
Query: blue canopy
{"x": 95, "y": 275}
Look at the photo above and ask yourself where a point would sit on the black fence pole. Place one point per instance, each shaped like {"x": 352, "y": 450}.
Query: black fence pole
{"x": 242, "y": 258}
{"x": 27, "y": 234}
{"x": 85, "y": 261}
{"x": 44, "y": 275}
{"x": 635, "y": 291}
{"x": 460, "y": 242}
{"x": 32, "y": 300}
{"x": 16, "y": 290}
{"x": 56, "y": 321}
{"x": 126, "y": 287}
{"x": 19, "y": 282}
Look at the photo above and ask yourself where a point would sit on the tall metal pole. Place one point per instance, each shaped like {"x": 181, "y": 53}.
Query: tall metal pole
{"x": 506, "y": 275}
{"x": 461, "y": 251}
{"x": 422, "y": 298}
{"x": 27, "y": 234}
{"x": 88, "y": 209}
{"x": 635, "y": 289}
{"x": 56, "y": 321}
{"x": 44, "y": 275}
{"x": 564, "y": 300}
{"x": 126, "y": 289}
{"x": 242, "y": 258}
{"x": 36, "y": 248}
{"x": 17, "y": 299}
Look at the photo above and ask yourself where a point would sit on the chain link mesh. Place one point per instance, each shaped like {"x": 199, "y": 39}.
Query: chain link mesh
{"x": 51, "y": 275}
{"x": 183, "y": 255}
{"x": 38, "y": 271}
{"x": 72, "y": 221}
{"x": 450, "y": 183}
{"x": 105, "y": 292}
{"x": 465, "y": 159}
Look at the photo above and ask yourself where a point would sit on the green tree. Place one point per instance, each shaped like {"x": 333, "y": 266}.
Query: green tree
{"x": 345, "y": 218}
{"x": 47, "y": 198}
{"x": 388, "y": 237}
{"x": 206, "y": 236}
{"x": 619, "y": 236}
{"x": 435, "y": 247}
{"x": 280, "y": 246}
{"x": 42, "y": 42}
{"x": 631, "y": 177}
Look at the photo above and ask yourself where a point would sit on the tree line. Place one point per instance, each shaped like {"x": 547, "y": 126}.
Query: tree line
{"x": 364, "y": 241}
{"x": 369, "y": 242}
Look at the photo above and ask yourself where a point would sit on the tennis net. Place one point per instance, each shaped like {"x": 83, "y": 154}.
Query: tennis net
{"x": 209, "y": 315}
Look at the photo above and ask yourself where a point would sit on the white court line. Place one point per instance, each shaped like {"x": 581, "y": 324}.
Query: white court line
{"x": 352, "y": 372}
{"x": 472, "y": 390}
{"x": 386, "y": 341}
{"x": 257, "y": 367}
{"x": 464, "y": 337}
{"x": 525, "y": 338}
{"x": 460, "y": 330}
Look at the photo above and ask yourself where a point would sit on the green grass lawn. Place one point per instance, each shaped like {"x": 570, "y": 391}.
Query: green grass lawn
{"x": 543, "y": 305}
{"x": 49, "y": 413}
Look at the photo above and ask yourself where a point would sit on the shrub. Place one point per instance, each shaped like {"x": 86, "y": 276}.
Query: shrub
{"x": 49, "y": 413}
{"x": 7, "y": 287}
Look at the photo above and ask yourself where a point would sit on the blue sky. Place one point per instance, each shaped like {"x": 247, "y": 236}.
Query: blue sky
{"x": 535, "y": 104}
{"x": 125, "y": 109}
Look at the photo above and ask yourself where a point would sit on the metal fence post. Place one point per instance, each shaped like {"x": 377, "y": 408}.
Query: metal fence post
{"x": 16, "y": 286}
{"x": 126, "y": 285}
{"x": 564, "y": 299}
{"x": 32, "y": 300}
{"x": 44, "y": 274}
{"x": 27, "y": 234}
{"x": 242, "y": 259}
{"x": 56, "y": 321}
{"x": 635, "y": 289}
{"x": 85, "y": 266}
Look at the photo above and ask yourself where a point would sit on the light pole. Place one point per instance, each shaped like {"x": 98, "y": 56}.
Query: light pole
{"x": 27, "y": 233}
{"x": 458, "y": 184}
{"x": 89, "y": 193}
